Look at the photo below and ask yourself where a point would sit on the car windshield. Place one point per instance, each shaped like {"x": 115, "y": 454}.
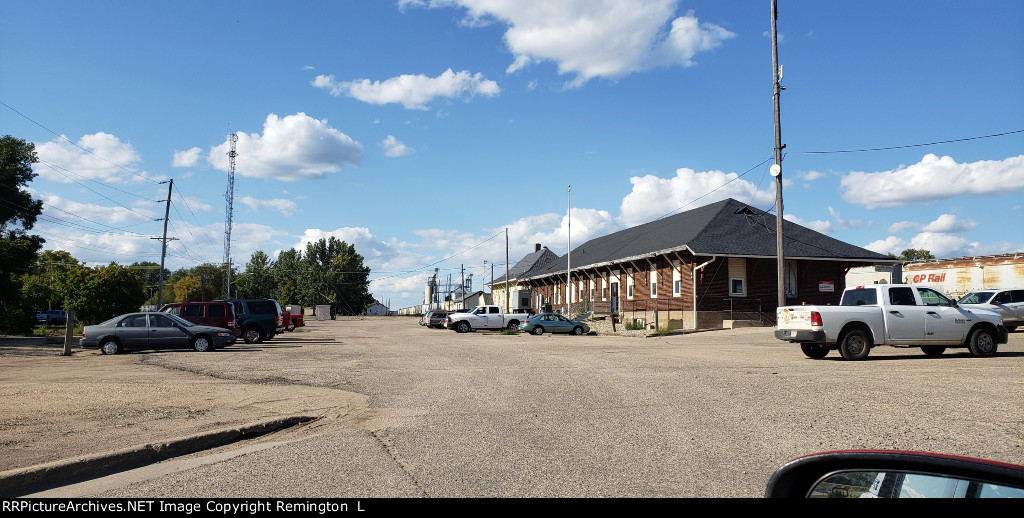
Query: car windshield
{"x": 976, "y": 297}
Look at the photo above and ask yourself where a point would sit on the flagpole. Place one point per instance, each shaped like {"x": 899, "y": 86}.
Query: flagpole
{"x": 568, "y": 245}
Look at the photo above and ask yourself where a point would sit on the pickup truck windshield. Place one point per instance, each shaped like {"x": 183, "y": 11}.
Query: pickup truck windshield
{"x": 860, "y": 297}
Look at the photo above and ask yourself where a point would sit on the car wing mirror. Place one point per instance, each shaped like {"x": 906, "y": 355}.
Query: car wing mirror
{"x": 894, "y": 474}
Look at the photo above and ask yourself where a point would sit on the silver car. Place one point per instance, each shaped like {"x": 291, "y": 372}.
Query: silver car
{"x": 1009, "y": 303}
{"x": 153, "y": 330}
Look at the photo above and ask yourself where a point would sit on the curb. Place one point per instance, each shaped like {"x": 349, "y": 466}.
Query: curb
{"x": 21, "y": 481}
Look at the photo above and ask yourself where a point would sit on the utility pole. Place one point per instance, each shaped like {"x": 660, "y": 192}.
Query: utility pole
{"x": 163, "y": 252}
{"x": 776, "y": 168}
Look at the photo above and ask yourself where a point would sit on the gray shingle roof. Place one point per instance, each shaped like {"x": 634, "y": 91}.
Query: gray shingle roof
{"x": 533, "y": 262}
{"x": 725, "y": 228}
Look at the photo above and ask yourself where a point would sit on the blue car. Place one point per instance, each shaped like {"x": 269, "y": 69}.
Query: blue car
{"x": 552, "y": 323}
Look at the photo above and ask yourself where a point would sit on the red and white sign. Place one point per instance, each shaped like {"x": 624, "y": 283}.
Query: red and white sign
{"x": 826, "y": 286}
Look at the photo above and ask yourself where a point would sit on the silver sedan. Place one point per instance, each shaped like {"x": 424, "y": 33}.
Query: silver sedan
{"x": 150, "y": 330}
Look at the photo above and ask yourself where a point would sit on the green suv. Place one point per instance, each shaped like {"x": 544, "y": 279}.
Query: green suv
{"x": 259, "y": 319}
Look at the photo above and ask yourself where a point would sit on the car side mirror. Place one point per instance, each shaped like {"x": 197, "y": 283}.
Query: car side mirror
{"x": 894, "y": 474}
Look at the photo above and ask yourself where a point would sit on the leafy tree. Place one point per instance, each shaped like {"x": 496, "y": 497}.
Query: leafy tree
{"x": 188, "y": 289}
{"x": 209, "y": 276}
{"x": 335, "y": 275}
{"x": 148, "y": 273}
{"x": 258, "y": 279}
{"x": 18, "y": 214}
{"x": 97, "y": 294}
{"x": 913, "y": 254}
{"x": 288, "y": 270}
{"x": 46, "y": 282}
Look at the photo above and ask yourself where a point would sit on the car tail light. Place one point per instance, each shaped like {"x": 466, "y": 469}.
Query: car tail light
{"x": 816, "y": 319}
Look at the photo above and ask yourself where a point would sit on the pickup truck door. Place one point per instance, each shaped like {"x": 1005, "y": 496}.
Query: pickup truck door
{"x": 942, "y": 320}
{"x": 904, "y": 318}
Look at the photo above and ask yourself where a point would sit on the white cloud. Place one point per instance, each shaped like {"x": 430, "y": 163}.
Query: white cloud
{"x": 187, "y": 158}
{"x": 939, "y": 244}
{"x": 593, "y": 38}
{"x": 286, "y": 207}
{"x": 950, "y": 224}
{"x": 889, "y": 245}
{"x": 100, "y": 156}
{"x": 292, "y": 148}
{"x": 843, "y": 223}
{"x": 394, "y": 147}
{"x": 825, "y": 227}
{"x": 87, "y": 213}
{"x": 931, "y": 179}
{"x": 195, "y": 204}
{"x": 810, "y": 176}
{"x": 373, "y": 250}
{"x": 653, "y": 197}
{"x": 414, "y": 92}
{"x": 903, "y": 225}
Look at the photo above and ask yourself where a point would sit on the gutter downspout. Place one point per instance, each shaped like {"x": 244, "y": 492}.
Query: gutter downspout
{"x": 695, "y": 288}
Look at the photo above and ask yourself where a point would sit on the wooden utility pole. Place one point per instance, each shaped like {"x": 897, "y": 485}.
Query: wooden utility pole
{"x": 776, "y": 168}
{"x": 163, "y": 252}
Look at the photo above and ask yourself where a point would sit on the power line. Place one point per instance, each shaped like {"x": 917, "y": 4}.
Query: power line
{"x": 909, "y": 145}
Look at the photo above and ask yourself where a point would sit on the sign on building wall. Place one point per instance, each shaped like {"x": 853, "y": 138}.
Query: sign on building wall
{"x": 826, "y": 286}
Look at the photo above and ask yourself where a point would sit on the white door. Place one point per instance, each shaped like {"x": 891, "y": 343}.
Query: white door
{"x": 943, "y": 322}
{"x": 904, "y": 319}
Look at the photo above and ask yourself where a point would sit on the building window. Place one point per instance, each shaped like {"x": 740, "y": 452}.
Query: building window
{"x": 677, "y": 279}
{"x": 629, "y": 284}
{"x": 737, "y": 287}
{"x": 654, "y": 283}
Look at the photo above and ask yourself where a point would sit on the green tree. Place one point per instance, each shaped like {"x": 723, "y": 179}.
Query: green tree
{"x": 210, "y": 277}
{"x": 257, "y": 281}
{"x": 335, "y": 275}
{"x": 18, "y": 214}
{"x": 103, "y": 292}
{"x": 148, "y": 273}
{"x": 187, "y": 289}
{"x": 46, "y": 281}
{"x": 913, "y": 254}
{"x": 288, "y": 270}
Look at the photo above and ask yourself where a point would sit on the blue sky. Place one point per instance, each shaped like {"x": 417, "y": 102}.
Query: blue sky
{"x": 420, "y": 130}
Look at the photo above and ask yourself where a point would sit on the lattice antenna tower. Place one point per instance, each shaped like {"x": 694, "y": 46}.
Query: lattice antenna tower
{"x": 229, "y": 196}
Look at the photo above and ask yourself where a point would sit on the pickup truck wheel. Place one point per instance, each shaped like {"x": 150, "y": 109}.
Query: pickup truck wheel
{"x": 983, "y": 343}
{"x": 462, "y": 327}
{"x": 512, "y": 326}
{"x": 816, "y": 351}
{"x": 855, "y": 345}
{"x": 933, "y": 350}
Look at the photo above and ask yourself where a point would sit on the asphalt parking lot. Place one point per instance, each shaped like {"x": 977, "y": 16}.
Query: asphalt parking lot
{"x": 432, "y": 413}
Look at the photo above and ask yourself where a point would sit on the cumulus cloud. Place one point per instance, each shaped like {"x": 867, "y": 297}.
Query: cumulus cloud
{"x": 950, "y": 224}
{"x": 187, "y": 158}
{"x": 100, "y": 156}
{"x": 394, "y": 147}
{"x": 372, "y": 249}
{"x": 88, "y": 213}
{"x": 291, "y": 148}
{"x": 889, "y": 245}
{"x": 933, "y": 178}
{"x": 414, "y": 92}
{"x": 653, "y": 197}
{"x": 939, "y": 244}
{"x": 598, "y": 38}
{"x": 825, "y": 227}
{"x": 845, "y": 224}
{"x": 903, "y": 225}
{"x": 285, "y": 207}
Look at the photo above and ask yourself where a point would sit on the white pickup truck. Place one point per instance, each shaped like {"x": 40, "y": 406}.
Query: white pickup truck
{"x": 483, "y": 317}
{"x": 890, "y": 314}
